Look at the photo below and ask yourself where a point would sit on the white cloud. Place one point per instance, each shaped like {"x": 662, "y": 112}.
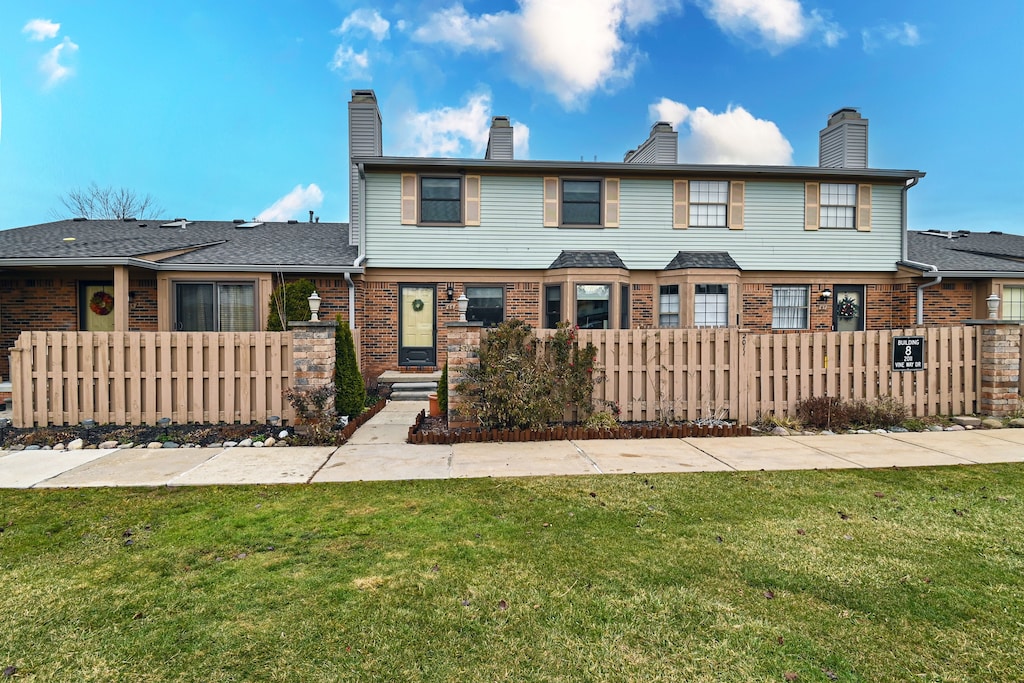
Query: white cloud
{"x": 777, "y": 24}
{"x": 520, "y": 140}
{"x": 366, "y": 20}
{"x": 457, "y": 131}
{"x": 354, "y": 65}
{"x": 574, "y": 46}
{"x": 294, "y": 204}
{"x": 732, "y": 137}
{"x": 905, "y": 34}
{"x": 41, "y": 29}
{"x": 51, "y": 66}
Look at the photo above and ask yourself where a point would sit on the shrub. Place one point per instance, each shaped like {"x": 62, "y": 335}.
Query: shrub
{"x": 350, "y": 399}
{"x": 821, "y": 412}
{"x": 601, "y": 420}
{"x": 292, "y": 299}
{"x": 442, "y": 390}
{"x": 887, "y": 412}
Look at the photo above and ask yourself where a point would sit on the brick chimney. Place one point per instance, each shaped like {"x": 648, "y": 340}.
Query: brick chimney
{"x": 499, "y": 140}
{"x": 843, "y": 143}
{"x": 364, "y": 140}
{"x": 661, "y": 147}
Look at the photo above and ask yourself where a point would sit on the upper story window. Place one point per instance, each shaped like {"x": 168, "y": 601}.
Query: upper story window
{"x": 838, "y": 205}
{"x": 790, "y": 307}
{"x": 486, "y": 304}
{"x": 581, "y": 202}
{"x": 215, "y": 306}
{"x": 440, "y": 200}
{"x": 709, "y": 202}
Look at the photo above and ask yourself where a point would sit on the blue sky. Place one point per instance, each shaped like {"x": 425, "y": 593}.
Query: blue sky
{"x": 235, "y": 109}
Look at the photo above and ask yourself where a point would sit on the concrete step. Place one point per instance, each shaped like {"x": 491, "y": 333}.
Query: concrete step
{"x": 410, "y": 395}
{"x": 393, "y": 376}
{"x": 414, "y": 386}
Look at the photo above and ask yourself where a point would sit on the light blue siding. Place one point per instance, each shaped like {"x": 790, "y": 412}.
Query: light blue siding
{"x": 511, "y": 233}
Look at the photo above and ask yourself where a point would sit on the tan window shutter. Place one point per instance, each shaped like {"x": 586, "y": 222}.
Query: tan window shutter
{"x": 408, "y": 199}
{"x": 737, "y": 189}
{"x": 472, "y": 200}
{"x": 864, "y": 208}
{"x": 812, "y": 217}
{"x": 551, "y": 202}
{"x": 680, "y": 206}
{"x": 611, "y": 202}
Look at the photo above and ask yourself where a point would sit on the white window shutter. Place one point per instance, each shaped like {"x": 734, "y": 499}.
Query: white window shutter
{"x": 551, "y": 202}
{"x": 680, "y": 206}
{"x": 611, "y": 203}
{"x": 864, "y": 208}
{"x": 812, "y": 207}
{"x": 472, "y": 200}
{"x": 737, "y": 188}
{"x": 409, "y": 199}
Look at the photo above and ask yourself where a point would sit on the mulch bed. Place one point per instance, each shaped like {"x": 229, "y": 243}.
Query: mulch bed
{"x": 434, "y": 430}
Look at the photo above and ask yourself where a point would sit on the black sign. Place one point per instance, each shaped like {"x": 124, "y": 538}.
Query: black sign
{"x": 907, "y": 353}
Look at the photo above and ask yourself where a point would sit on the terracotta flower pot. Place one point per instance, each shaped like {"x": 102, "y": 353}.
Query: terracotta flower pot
{"x": 435, "y": 409}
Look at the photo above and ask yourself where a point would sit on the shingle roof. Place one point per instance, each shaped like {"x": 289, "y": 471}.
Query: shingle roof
{"x": 967, "y": 251}
{"x": 206, "y": 242}
{"x": 702, "y": 259}
{"x": 587, "y": 259}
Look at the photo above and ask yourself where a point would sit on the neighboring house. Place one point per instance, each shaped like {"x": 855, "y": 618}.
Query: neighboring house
{"x": 172, "y": 275}
{"x": 962, "y": 269}
{"x": 646, "y": 242}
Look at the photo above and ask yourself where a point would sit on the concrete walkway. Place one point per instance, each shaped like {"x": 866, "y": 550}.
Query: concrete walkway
{"x": 378, "y": 451}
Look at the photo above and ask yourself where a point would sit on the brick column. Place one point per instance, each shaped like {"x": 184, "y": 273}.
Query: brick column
{"x": 999, "y": 365}
{"x": 312, "y": 354}
{"x": 463, "y": 348}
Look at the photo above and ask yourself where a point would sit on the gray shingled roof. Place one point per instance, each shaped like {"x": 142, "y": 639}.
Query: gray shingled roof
{"x": 208, "y": 243}
{"x": 965, "y": 251}
{"x": 702, "y": 259}
{"x": 588, "y": 259}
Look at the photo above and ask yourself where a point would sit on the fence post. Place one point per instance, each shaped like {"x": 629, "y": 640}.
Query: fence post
{"x": 463, "y": 353}
{"x": 999, "y": 366}
{"x": 312, "y": 353}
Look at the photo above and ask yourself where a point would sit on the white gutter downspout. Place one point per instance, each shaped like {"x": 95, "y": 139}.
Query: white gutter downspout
{"x": 920, "y": 291}
{"x": 926, "y": 266}
{"x": 362, "y": 250}
{"x": 903, "y": 214}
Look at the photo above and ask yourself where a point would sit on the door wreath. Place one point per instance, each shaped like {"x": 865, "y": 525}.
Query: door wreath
{"x": 101, "y": 303}
{"x": 417, "y": 305}
{"x": 847, "y": 308}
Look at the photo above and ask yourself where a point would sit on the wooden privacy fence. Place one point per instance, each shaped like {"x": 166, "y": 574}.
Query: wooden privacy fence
{"x": 142, "y": 377}
{"x": 698, "y": 373}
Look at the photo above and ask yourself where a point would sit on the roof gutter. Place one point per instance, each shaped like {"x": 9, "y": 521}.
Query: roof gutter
{"x": 920, "y": 288}
{"x": 176, "y": 267}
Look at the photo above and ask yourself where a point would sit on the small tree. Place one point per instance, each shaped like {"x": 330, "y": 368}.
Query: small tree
{"x": 442, "y": 390}
{"x": 351, "y": 396}
{"x": 290, "y": 300}
{"x": 107, "y": 202}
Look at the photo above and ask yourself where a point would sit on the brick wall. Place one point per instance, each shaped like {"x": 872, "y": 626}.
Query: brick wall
{"x": 142, "y": 310}
{"x": 947, "y": 303}
{"x": 641, "y": 303}
{"x": 34, "y": 304}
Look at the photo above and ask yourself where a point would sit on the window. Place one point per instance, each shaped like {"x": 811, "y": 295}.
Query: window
{"x": 592, "y": 306}
{"x": 624, "y": 307}
{"x": 789, "y": 307}
{"x": 581, "y": 202}
{"x": 838, "y": 205}
{"x": 440, "y": 200}
{"x": 486, "y": 305}
{"x": 668, "y": 306}
{"x": 711, "y": 306}
{"x": 552, "y": 306}
{"x": 709, "y": 200}
{"x": 215, "y": 307}
{"x": 1013, "y": 303}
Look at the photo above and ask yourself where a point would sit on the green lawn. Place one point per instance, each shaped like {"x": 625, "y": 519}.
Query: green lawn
{"x": 891, "y": 575}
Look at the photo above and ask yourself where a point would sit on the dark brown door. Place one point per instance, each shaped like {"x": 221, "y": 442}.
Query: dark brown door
{"x": 848, "y": 308}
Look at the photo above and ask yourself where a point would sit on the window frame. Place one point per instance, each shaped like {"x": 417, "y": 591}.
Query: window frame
{"x": 600, "y": 201}
{"x": 851, "y": 192}
{"x": 805, "y": 307}
{"x": 547, "y": 310}
{"x": 678, "y": 314}
{"x": 724, "y": 313}
{"x": 461, "y": 199}
{"x": 216, "y": 285}
{"x": 576, "y": 303}
{"x": 486, "y": 285}
{"x": 691, "y": 204}
{"x": 1018, "y": 303}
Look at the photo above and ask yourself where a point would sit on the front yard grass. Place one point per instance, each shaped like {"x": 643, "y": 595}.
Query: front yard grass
{"x": 878, "y": 575}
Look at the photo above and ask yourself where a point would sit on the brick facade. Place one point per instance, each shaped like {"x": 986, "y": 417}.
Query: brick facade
{"x": 641, "y": 306}
{"x": 999, "y": 364}
{"x": 34, "y": 304}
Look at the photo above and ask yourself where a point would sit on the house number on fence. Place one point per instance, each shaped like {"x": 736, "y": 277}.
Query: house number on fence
{"x": 907, "y": 353}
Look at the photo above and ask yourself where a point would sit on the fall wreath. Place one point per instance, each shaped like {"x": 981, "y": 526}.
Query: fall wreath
{"x": 417, "y": 305}
{"x": 847, "y": 308}
{"x": 101, "y": 303}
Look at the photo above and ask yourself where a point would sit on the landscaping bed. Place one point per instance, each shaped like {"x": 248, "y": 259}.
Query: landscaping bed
{"x": 434, "y": 430}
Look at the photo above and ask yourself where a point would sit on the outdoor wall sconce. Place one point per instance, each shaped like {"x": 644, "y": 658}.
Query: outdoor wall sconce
{"x": 463, "y": 307}
{"x": 450, "y": 292}
{"x": 826, "y": 295}
{"x": 314, "y": 307}
{"x": 993, "y": 306}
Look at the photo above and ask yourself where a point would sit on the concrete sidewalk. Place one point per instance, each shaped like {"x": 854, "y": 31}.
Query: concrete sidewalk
{"x": 378, "y": 451}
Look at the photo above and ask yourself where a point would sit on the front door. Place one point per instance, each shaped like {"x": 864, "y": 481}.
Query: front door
{"x": 848, "y": 308}
{"x": 416, "y": 319}
{"x": 96, "y": 306}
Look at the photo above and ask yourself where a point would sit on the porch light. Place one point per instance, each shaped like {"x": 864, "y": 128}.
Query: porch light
{"x": 463, "y": 307}
{"x": 314, "y": 306}
{"x": 993, "y": 306}
{"x": 825, "y": 295}
{"x": 273, "y": 420}
{"x": 450, "y": 292}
